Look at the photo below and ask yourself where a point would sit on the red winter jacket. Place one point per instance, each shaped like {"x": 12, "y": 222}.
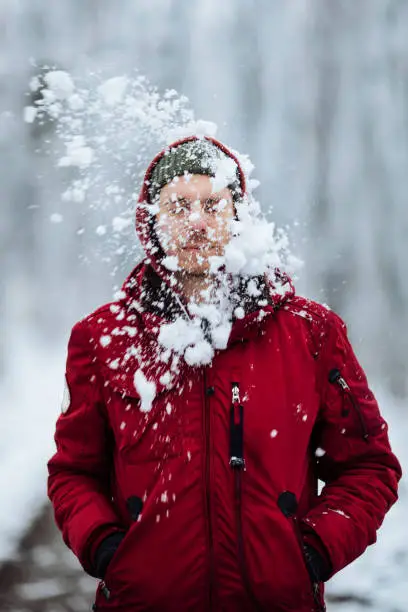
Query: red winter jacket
{"x": 216, "y": 486}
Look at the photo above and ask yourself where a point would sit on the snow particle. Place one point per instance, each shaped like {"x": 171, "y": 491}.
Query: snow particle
{"x": 60, "y": 84}
{"x": 146, "y": 389}
{"x": 56, "y": 218}
{"x": 30, "y": 113}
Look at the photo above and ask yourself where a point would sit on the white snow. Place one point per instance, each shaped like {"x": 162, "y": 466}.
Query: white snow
{"x": 119, "y": 224}
{"x": 30, "y": 113}
{"x": 226, "y": 169}
{"x": 198, "y": 128}
{"x": 101, "y": 230}
{"x": 31, "y": 399}
{"x": 165, "y": 379}
{"x": 146, "y": 389}
{"x": 171, "y": 263}
{"x": 60, "y": 83}
{"x": 113, "y": 90}
{"x": 77, "y": 153}
{"x": 56, "y": 218}
{"x": 200, "y": 353}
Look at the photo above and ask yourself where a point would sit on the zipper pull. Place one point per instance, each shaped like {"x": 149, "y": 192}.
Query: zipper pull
{"x": 237, "y": 460}
{"x": 335, "y": 377}
{"x": 235, "y": 393}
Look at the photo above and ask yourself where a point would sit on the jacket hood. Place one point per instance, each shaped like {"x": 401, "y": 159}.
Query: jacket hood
{"x": 280, "y": 287}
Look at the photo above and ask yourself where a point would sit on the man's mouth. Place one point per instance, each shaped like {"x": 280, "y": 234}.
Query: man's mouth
{"x": 196, "y": 247}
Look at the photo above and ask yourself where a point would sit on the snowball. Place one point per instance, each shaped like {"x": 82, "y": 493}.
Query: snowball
{"x": 146, "y": 389}
{"x": 239, "y": 312}
{"x": 101, "y": 230}
{"x": 30, "y": 113}
{"x": 225, "y": 173}
{"x": 165, "y": 378}
{"x": 198, "y": 128}
{"x": 77, "y": 153}
{"x": 199, "y": 354}
{"x": 220, "y": 335}
{"x": 178, "y": 335}
{"x": 216, "y": 262}
{"x": 60, "y": 84}
{"x": 105, "y": 340}
{"x": 235, "y": 259}
{"x": 113, "y": 90}
{"x": 75, "y": 102}
{"x": 171, "y": 263}
{"x": 274, "y": 433}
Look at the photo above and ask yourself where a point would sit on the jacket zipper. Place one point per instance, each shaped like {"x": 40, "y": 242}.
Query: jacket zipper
{"x": 336, "y": 378}
{"x": 237, "y": 463}
{"x": 207, "y": 429}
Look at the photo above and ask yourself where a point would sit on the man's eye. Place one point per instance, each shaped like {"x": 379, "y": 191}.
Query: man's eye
{"x": 211, "y": 206}
{"x": 177, "y": 210}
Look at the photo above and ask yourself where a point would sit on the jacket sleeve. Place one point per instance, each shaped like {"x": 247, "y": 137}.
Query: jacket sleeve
{"x": 79, "y": 472}
{"x": 354, "y": 458}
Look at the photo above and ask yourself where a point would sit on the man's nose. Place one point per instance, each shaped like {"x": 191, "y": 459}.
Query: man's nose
{"x": 197, "y": 220}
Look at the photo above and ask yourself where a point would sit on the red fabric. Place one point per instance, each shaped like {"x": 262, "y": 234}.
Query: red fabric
{"x": 183, "y": 554}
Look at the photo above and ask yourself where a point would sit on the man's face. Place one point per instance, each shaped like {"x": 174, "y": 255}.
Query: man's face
{"x": 193, "y": 222}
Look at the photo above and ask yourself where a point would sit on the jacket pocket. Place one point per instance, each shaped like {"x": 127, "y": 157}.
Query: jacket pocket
{"x": 288, "y": 505}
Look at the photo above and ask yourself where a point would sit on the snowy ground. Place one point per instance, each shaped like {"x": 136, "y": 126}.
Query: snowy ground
{"x": 30, "y": 403}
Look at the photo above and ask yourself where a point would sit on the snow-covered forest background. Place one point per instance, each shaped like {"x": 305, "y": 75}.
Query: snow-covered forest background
{"x": 316, "y": 93}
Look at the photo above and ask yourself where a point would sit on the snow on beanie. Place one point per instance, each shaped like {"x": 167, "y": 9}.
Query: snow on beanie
{"x": 195, "y": 157}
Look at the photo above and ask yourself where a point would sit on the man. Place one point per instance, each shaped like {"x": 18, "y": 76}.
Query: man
{"x": 200, "y": 411}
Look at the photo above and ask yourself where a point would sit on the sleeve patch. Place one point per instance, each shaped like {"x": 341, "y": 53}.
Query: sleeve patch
{"x": 66, "y": 398}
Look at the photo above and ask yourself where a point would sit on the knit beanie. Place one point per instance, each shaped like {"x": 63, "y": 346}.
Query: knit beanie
{"x": 195, "y": 157}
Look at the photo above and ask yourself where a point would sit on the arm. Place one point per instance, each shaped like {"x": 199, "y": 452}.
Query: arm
{"x": 360, "y": 472}
{"x": 79, "y": 472}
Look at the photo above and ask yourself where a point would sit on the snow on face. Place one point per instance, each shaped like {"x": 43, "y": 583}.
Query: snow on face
{"x": 193, "y": 223}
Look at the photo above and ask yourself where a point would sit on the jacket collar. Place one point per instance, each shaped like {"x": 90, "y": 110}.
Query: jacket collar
{"x": 156, "y": 303}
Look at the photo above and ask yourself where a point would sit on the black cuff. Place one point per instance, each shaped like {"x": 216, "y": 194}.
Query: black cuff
{"x": 317, "y": 566}
{"x": 105, "y": 552}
